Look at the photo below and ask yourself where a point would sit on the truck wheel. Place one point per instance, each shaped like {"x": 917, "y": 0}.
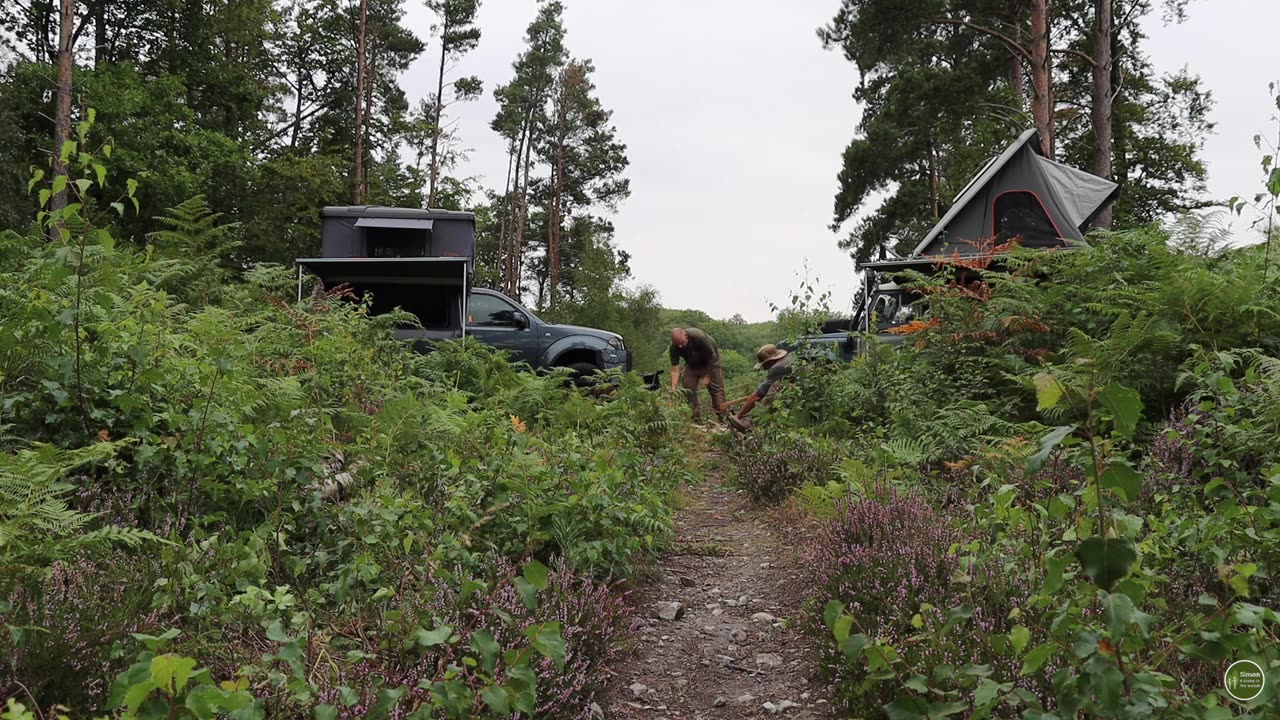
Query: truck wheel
{"x": 583, "y": 372}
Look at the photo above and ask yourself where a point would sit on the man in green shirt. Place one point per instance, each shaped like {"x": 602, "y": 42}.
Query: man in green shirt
{"x": 701, "y": 358}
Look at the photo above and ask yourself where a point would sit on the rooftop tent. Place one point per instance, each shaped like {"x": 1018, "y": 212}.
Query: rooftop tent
{"x": 372, "y": 231}
{"x": 1021, "y": 194}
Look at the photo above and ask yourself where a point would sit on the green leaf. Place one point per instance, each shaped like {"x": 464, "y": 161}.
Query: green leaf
{"x": 433, "y": 637}
{"x": 1053, "y": 566}
{"x": 276, "y": 633}
{"x": 171, "y": 672}
{"x": 1273, "y": 182}
{"x": 942, "y": 710}
{"x": 1048, "y": 444}
{"x": 45, "y": 194}
{"x": 59, "y": 184}
{"x": 138, "y": 694}
{"x": 853, "y": 646}
{"x": 536, "y": 573}
{"x": 1106, "y": 560}
{"x": 482, "y": 642}
{"x": 1123, "y": 479}
{"x": 1048, "y": 391}
{"x": 1037, "y": 658}
{"x": 496, "y": 697}
{"x": 1019, "y": 636}
{"x": 918, "y": 683}
{"x": 841, "y": 630}
{"x": 36, "y": 176}
{"x": 986, "y": 692}
{"x": 139, "y": 672}
{"x": 326, "y": 712}
{"x": 832, "y": 612}
{"x": 387, "y": 699}
{"x": 118, "y": 207}
{"x": 1125, "y": 407}
{"x": 132, "y": 186}
{"x": 101, "y": 173}
{"x": 68, "y": 147}
{"x": 528, "y": 592}
{"x": 1120, "y": 610}
{"x": 83, "y": 185}
{"x": 546, "y": 639}
{"x": 1109, "y": 685}
{"x": 204, "y": 701}
{"x": 908, "y": 708}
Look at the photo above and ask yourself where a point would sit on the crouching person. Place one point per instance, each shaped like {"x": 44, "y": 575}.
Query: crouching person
{"x": 777, "y": 364}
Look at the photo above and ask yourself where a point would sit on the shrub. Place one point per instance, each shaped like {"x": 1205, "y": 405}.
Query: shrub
{"x": 769, "y": 466}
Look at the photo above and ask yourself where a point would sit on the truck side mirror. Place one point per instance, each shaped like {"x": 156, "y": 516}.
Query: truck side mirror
{"x": 521, "y": 321}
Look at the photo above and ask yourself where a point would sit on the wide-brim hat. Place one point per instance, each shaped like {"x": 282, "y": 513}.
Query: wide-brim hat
{"x": 768, "y": 354}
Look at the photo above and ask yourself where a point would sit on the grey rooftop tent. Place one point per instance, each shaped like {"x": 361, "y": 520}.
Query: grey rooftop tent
{"x": 1022, "y": 194}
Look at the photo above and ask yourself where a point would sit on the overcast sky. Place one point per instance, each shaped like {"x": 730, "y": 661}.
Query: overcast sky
{"x": 735, "y": 117}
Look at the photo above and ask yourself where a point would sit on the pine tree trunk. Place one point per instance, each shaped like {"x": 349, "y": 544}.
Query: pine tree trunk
{"x": 933, "y": 181}
{"x": 1119, "y": 140}
{"x": 500, "y": 261}
{"x": 509, "y": 259}
{"x": 435, "y": 134}
{"x": 62, "y": 112}
{"x": 557, "y": 193}
{"x": 518, "y": 254}
{"x": 1100, "y": 115}
{"x": 361, "y": 110}
{"x": 1017, "y": 83}
{"x": 100, "y": 54}
{"x": 297, "y": 115}
{"x": 1042, "y": 105}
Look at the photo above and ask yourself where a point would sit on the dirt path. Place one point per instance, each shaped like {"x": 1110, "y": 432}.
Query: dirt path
{"x": 732, "y": 648}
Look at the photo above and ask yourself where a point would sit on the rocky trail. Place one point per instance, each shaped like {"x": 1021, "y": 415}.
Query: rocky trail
{"x": 719, "y": 633}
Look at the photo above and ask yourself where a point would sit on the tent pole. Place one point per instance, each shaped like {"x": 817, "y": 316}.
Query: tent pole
{"x": 299, "y": 283}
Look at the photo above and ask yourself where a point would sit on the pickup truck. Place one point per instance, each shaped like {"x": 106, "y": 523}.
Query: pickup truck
{"x": 502, "y": 323}
{"x": 422, "y": 262}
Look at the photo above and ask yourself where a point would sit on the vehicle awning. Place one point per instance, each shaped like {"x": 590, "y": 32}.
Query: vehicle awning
{"x": 398, "y": 223}
{"x": 919, "y": 264}
{"x": 400, "y": 271}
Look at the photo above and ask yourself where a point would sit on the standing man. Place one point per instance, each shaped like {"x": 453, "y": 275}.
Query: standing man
{"x": 777, "y": 363}
{"x": 701, "y": 358}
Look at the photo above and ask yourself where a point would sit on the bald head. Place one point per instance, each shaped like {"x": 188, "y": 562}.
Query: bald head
{"x": 678, "y": 337}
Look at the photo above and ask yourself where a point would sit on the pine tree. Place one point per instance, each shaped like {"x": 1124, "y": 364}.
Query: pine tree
{"x": 458, "y": 36}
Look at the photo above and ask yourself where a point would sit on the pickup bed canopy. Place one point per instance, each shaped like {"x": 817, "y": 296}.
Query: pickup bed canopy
{"x": 435, "y": 289}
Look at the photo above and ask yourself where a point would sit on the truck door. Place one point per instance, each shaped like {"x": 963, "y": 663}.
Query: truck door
{"x": 496, "y": 321}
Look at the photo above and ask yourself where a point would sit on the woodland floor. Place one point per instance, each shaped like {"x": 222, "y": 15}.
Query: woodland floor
{"x": 736, "y": 649}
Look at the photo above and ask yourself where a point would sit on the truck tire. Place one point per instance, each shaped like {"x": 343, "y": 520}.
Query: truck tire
{"x": 583, "y": 372}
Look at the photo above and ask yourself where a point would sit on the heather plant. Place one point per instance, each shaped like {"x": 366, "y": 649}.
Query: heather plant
{"x": 770, "y": 465}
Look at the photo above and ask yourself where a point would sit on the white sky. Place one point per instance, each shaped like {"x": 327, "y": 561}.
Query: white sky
{"x": 735, "y": 118}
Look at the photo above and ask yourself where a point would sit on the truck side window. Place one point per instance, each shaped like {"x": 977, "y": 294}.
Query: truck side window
{"x": 489, "y": 311}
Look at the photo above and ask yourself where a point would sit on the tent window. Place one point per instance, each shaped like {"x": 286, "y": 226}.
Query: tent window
{"x": 1020, "y": 213}
{"x": 397, "y": 242}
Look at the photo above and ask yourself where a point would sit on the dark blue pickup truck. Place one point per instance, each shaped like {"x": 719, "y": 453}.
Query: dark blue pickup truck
{"x": 500, "y": 322}
{"x": 421, "y": 261}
